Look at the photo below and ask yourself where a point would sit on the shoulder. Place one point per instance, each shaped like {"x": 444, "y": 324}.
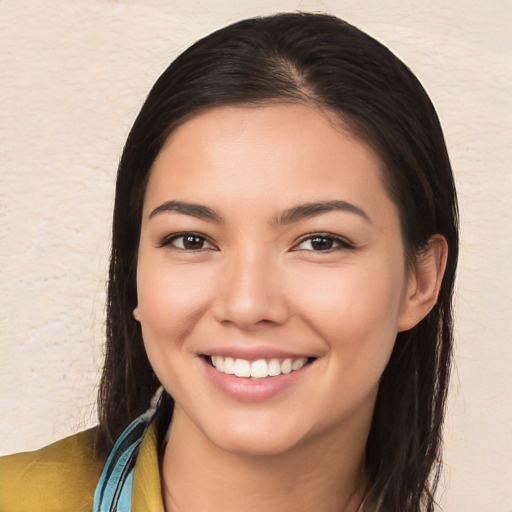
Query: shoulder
{"x": 61, "y": 477}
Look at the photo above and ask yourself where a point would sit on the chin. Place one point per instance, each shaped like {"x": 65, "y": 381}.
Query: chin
{"x": 255, "y": 445}
{"x": 255, "y": 436}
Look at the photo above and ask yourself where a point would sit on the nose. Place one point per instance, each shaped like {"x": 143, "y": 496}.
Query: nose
{"x": 250, "y": 293}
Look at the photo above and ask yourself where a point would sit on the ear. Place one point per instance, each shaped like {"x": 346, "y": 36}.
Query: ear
{"x": 424, "y": 283}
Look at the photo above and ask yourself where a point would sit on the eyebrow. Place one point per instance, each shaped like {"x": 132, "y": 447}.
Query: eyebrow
{"x": 195, "y": 210}
{"x": 306, "y": 211}
{"x": 289, "y": 216}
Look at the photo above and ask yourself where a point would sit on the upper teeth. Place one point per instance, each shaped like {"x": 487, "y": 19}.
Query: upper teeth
{"x": 256, "y": 369}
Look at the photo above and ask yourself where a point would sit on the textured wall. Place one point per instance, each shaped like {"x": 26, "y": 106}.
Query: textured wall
{"x": 73, "y": 75}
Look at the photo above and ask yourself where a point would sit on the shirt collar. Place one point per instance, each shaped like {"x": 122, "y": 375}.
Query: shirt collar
{"x": 147, "y": 487}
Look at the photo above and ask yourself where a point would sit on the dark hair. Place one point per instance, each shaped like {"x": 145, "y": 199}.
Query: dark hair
{"x": 318, "y": 60}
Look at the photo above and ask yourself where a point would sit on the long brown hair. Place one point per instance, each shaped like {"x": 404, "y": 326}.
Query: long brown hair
{"x": 316, "y": 59}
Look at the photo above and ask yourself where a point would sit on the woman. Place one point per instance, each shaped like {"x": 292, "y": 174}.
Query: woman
{"x": 283, "y": 258}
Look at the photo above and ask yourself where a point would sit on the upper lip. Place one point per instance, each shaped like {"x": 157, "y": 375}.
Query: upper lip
{"x": 253, "y": 353}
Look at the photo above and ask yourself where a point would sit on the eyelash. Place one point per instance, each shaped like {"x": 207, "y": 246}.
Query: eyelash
{"x": 168, "y": 241}
{"x": 338, "y": 242}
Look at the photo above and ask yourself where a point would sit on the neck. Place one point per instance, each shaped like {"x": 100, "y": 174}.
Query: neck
{"x": 325, "y": 475}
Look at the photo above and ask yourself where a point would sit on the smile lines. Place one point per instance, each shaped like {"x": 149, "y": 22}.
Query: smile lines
{"x": 258, "y": 369}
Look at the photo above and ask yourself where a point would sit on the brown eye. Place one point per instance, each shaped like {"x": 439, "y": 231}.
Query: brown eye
{"x": 187, "y": 242}
{"x": 322, "y": 243}
{"x": 193, "y": 242}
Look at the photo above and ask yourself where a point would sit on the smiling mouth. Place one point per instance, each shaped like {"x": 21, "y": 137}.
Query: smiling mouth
{"x": 259, "y": 369}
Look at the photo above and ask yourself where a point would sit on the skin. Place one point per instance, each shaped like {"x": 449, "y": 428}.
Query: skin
{"x": 252, "y": 281}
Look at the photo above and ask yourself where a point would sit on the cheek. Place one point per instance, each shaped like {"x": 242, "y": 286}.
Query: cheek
{"x": 355, "y": 316}
{"x": 171, "y": 300}
{"x": 353, "y": 308}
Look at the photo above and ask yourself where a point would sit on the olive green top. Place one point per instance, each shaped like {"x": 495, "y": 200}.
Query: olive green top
{"x": 62, "y": 477}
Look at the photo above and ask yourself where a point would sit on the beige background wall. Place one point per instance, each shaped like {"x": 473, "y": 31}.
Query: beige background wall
{"x": 73, "y": 75}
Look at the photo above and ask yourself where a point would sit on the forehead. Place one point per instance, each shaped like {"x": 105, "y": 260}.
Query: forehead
{"x": 283, "y": 152}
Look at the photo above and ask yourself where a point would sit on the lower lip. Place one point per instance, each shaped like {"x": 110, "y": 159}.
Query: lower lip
{"x": 253, "y": 390}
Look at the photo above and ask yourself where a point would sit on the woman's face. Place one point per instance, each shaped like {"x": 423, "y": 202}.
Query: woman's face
{"x": 269, "y": 248}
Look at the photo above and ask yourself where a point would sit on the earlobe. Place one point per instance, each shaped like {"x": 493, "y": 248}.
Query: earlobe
{"x": 424, "y": 283}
